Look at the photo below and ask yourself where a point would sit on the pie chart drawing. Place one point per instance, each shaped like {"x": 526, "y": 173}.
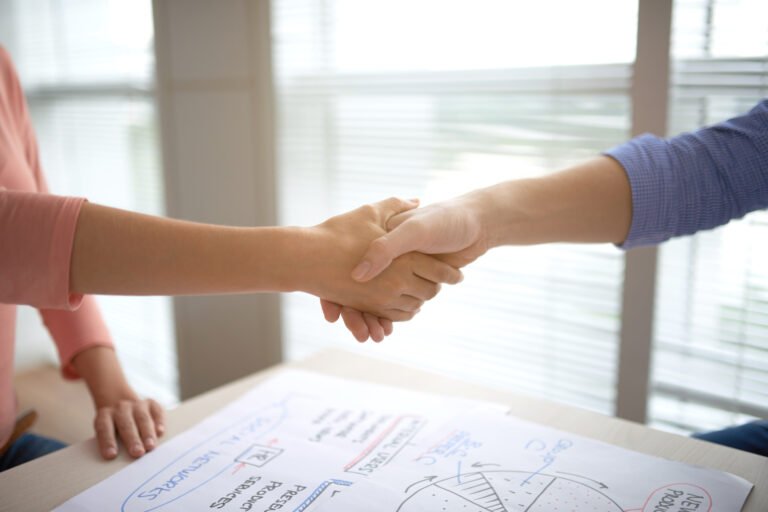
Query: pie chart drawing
{"x": 508, "y": 491}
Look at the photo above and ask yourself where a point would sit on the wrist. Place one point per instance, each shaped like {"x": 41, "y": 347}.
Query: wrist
{"x": 113, "y": 394}
{"x": 101, "y": 371}
{"x": 298, "y": 254}
{"x": 313, "y": 259}
{"x": 484, "y": 212}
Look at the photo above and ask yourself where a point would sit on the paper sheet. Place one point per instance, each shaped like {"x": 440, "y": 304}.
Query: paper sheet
{"x": 292, "y": 443}
{"x": 492, "y": 463}
{"x": 306, "y": 442}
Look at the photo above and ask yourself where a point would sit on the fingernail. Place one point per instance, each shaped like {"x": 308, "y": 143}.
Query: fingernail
{"x": 160, "y": 429}
{"x": 137, "y": 449}
{"x": 110, "y": 451}
{"x": 149, "y": 443}
{"x": 361, "y": 270}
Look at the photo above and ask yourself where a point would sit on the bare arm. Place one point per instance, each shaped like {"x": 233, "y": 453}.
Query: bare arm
{"x": 126, "y": 253}
{"x": 590, "y": 202}
{"x": 121, "y": 252}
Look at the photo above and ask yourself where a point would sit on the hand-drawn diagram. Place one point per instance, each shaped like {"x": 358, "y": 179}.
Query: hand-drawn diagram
{"x": 508, "y": 491}
{"x": 302, "y": 442}
{"x": 258, "y": 455}
{"x": 386, "y": 446}
{"x": 304, "y": 505}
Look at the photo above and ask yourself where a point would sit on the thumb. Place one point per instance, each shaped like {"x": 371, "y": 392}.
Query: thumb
{"x": 405, "y": 238}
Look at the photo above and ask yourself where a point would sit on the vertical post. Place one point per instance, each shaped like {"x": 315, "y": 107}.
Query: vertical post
{"x": 650, "y": 90}
{"x": 214, "y": 75}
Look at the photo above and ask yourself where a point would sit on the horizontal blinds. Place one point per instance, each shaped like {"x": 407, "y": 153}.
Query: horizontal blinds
{"x": 543, "y": 320}
{"x": 86, "y": 70}
{"x": 711, "y": 337}
{"x": 60, "y": 42}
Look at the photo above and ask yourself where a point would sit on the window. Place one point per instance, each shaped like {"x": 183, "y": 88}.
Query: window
{"x": 430, "y": 99}
{"x": 87, "y": 70}
{"x": 711, "y": 331}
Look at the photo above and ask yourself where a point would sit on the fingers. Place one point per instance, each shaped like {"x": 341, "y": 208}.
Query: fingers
{"x": 137, "y": 423}
{"x": 375, "y": 330}
{"x": 331, "y": 310}
{"x": 398, "y": 219}
{"x": 408, "y": 304}
{"x": 419, "y": 289}
{"x": 405, "y": 238}
{"x": 394, "y": 205}
{"x": 355, "y": 323}
{"x": 435, "y": 270}
{"x": 399, "y": 315}
{"x": 146, "y": 425}
{"x": 104, "y": 427}
{"x": 365, "y": 325}
{"x": 383, "y": 250}
{"x": 127, "y": 430}
{"x": 158, "y": 415}
{"x": 386, "y": 324}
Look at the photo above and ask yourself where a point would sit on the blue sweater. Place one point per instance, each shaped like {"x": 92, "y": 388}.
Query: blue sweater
{"x": 696, "y": 180}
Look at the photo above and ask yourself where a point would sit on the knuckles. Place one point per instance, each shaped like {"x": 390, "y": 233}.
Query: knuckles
{"x": 368, "y": 210}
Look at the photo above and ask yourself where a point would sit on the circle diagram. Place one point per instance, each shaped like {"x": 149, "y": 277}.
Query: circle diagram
{"x": 508, "y": 491}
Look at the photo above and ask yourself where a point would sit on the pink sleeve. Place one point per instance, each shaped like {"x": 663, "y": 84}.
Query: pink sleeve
{"x": 75, "y": 331}
{"x": 36, "y": 236}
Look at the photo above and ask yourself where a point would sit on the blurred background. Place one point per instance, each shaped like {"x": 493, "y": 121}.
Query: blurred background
{"x": 253, "y": 112}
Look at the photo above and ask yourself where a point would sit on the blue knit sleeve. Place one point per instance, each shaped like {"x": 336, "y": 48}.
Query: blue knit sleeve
{"x": 696, "y": 180}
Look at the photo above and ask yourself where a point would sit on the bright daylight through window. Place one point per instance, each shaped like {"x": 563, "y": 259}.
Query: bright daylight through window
{"x": 455, "y": 95}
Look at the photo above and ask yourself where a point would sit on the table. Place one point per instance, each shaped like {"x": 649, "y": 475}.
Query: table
{"x": 47, "y": 482}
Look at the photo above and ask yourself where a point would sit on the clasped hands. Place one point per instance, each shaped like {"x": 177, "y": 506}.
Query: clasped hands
{"x": 391, "y": 256}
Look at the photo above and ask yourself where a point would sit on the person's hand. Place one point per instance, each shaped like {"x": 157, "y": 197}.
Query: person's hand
{"x": 397, "y": 293}
{"x": 452, "y": 229}
{"x": 137, "y": 423}
{"x": 120, "y": 413}
{"x": 361, "y": 325}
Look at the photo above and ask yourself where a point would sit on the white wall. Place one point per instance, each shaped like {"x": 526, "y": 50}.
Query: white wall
{"x": 34, "y": 347}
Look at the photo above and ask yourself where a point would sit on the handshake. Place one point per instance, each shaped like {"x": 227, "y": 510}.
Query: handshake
{"x": 381, "y": 262}
{"x": 371, "y": 266}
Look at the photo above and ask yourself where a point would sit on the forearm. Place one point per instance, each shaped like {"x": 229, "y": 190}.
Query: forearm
{"x": 101, "y": 371}
{"x": 590, "y": 202}
{"x": 121, "y": 252}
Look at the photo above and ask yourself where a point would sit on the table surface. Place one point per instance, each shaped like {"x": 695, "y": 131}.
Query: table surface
{"x": 70, "y": 471}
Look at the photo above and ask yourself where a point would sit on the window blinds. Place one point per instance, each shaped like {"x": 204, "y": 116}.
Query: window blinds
{"x": 711, "y": 335}
{"x": 87, "y": 70}
{"x": 431, "y": 99}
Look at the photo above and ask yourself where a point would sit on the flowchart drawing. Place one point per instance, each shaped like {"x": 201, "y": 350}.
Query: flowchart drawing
{"x": 508, "y": 491}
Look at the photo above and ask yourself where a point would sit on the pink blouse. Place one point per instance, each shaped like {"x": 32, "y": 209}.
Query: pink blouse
{"x": 36, "y": 236}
